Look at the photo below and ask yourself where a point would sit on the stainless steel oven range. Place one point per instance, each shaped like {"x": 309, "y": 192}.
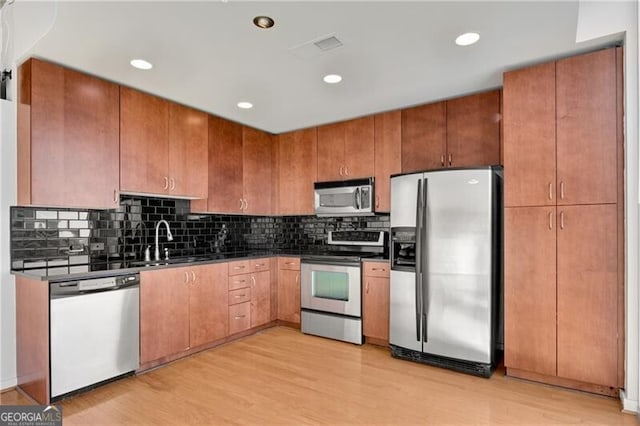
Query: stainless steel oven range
{"x": 331, "y": 285}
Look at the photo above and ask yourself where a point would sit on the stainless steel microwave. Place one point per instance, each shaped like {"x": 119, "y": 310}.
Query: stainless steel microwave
{"x": 344, "y": 198}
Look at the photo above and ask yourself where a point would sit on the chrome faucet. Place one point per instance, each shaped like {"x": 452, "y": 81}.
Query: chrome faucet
{"x": 169, "y": 237}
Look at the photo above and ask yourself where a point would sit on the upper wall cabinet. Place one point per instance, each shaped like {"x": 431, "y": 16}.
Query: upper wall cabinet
{"x": 67, "y": 138}
{"x": 345, "y": 150}
{"x": 423, "y": 137}
{"x": 459, "y": 132}
{"x": 388, "y": 138}
{"x": 473, "y": 130}
{"x": 240, "y": 177}
{"x": 297, "y": 171}
{"x": 163, "y": 147}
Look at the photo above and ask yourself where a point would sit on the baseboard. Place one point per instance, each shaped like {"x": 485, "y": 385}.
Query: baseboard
{"x": 8, "y": 384}
{"x": 628, "y": 405}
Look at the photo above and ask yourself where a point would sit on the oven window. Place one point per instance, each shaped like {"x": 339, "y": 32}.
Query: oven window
{"x": 331, "y": 285}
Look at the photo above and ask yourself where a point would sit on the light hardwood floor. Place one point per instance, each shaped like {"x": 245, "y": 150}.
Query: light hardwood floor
{"x": 280, "y": 376}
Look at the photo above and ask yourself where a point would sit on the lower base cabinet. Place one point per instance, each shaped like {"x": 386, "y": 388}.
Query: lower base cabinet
{"x": 181, "y": 308}
{"x": 249, "y": 294}
{"x": 375, "y": 303}
{"x": 289, "y": 289}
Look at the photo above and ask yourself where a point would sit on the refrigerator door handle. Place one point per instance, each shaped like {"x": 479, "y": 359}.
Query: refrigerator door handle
{"x": 424, "y": 268}
{"x": 418, "y": 292}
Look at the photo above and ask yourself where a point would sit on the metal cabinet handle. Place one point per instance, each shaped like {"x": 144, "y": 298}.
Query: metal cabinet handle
{"x": 377, "y": 201}
{"x": 186, "y": 277}
{"x": 246, "y": 204}
{"x": 253, "y": 281}
{"x": 193, "y": 276}
{"x": 450, "y": 159}
{"x": 258, "y": 265}
{"x": 550, "y": 220}
{"x": 241, "y": 281}
{"x": 239, "y": 316}
{"x": 346, "y": 171}
{"x": 173, "y": 183}
{"x": 239, "y": 267}
{"x": 550, "y": 191}
{"x": 442, "y": 160}
{"x": 562, "y": 219}
{"x": 378, "y": 269}
{"x": 237, "y": 296}
{"x": 366, "y": 290}
{"x": 289, "y": 263}
{"x": 115, "y": 196}
{"x": 297, "y": 278}
{"x": 341, "y": 171}
{"x": 562, "y": 190}
{"x": 166, "y": 183}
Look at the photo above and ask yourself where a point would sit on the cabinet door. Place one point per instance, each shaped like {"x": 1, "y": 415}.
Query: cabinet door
{"x": 473, "y": 130}
{"x": 423, "y": 137}
{"x": 74, "y": 157}
{"x": 144, "y": 142}
{"x": 388, "y": 150}
{"x": 530, "y": 289}
{"x": 257, "y": 152}
{"x": 359, "y": 148}
{"x": 289, "y": 296}
{"x": 587, "y": 294}
{"x": 530, "y": 136}
{"x": 239, "y": 317}
{"x": 208, "y": 308}
{"x": 375, "y": 315}
{"x": 587, "y": 128}
{"x": 331, "y": 152}
{"x": 297, "y": 164}
{"x": 164, "y": 313}
{"x": 260, "y": 298}
{"x": 188, "y": 152}
{"x": 225, "y": 168}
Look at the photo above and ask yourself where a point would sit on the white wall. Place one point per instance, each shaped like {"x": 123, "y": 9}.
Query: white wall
{"x": 22, "y": 24}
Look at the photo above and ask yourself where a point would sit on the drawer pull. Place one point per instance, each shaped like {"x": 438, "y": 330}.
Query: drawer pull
{"x": 237, "y": 296}
{"x": 241, "y": 281}
{"x": 378, "y": 269}
{"x": 259, "y": 265}
{"x": 289, "y": 263}
{"x": 239, "y": 316}
{"x": 239, "y": 267}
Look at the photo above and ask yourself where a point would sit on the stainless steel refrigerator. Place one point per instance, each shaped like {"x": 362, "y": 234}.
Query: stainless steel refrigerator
{"x": 446, "y": 267}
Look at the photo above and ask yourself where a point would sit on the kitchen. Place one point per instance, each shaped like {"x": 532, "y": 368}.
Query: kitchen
{"x": 248, "y": 204}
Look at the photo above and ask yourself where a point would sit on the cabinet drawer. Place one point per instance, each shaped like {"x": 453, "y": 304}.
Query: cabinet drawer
{"x": 375, "y": 269}
{"x": 239, "y": 281}
{"x": 239, "y": 317}
{"x": 239, "y": 296}
{"x": 260, "y": 265}
{"x": 290, "y": 263}
{"x": 239, "y": 267}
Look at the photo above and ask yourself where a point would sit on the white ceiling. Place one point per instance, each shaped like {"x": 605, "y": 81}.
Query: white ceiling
{"x": 209, "y": 55}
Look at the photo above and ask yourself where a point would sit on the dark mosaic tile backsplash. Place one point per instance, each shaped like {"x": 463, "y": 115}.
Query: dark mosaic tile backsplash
{"x": 47, "y": 237}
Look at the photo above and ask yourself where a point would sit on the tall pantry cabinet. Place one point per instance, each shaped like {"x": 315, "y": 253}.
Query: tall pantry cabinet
{"x": 563, "y": 196}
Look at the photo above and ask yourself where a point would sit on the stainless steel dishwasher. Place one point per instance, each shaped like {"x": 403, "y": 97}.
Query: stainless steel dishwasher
{"x": 94, "y": 331}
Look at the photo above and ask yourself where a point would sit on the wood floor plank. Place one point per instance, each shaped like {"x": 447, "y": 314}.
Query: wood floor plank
{"x": 280, "y": 376}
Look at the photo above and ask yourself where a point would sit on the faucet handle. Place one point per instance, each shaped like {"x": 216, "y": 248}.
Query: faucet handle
{"x": 166, "y": 253}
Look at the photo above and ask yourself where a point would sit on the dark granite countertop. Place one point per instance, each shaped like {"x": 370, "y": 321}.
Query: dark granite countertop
{"x": 120, "y": 267}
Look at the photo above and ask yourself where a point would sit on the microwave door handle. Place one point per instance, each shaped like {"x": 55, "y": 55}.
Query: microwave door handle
{"x": 358, "y": 198}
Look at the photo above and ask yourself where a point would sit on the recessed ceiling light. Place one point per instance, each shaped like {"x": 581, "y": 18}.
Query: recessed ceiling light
{"x": 263, "y": 22}
{"x": 141, "y": 64}
{"x": 245, "y": 105}
{"x": 467, "y": 38}
{"x": 332, "y": 78}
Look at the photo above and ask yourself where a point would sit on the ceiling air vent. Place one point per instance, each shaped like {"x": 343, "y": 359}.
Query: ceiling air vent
{"x": 315, "y": 47}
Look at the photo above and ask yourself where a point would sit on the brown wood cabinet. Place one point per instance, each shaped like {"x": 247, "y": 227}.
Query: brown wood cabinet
{"x": 181, "y": 308}
{"x": 163, "y": 146}
{"x": 240, "y": 170}
{"x": 345, "y": 150}
{"x": 375, "y": 314}
{"x": 388, "y": 153}
{"x": 297, "y": 171}
{"x": 423, "y": 137}
{"x": 164, "y": 313}
{"x": 289, "y": 289}
{"x": 260, "y": 298}
{"x": 530, "y": 289}
{"x": 249, "y": 294}
{"x": 459, "y": 132}
{"x": 563, "y": 272}
{"x": 473, "y": 130}
{"x": 257, "y": 161}
{"x": 68, "y": 146}
{"x": 208, "y": 312}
